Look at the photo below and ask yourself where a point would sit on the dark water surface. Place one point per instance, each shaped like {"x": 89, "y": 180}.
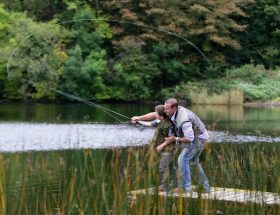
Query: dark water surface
{"x": 234, "y": 119}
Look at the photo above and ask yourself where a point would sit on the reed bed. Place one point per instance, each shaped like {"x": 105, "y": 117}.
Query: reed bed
{"x": 233, "y": 97}
{"x": 97, "y": 181}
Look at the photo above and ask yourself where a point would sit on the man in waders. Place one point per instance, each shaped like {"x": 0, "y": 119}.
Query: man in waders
{"x": 191, "y": 136}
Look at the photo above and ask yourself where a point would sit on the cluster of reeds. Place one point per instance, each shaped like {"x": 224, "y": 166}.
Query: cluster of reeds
{"x": 233, "y": 97}
{"x": 98, "y": 181}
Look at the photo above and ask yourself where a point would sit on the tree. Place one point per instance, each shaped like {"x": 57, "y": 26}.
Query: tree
{"x": 5, "y": 44}
{"x": 35, "y": 57}
{"x": 87, "y": 64}
{"x": 132, "y": 74}
{"x": 207, "y": 27}
{"x": 41, "y": 10}
{"x": 84, "y": 78}
{"x": 168, "y": 59}
{"x": 261, "y": 41}
{"x": 212, "y": 25}
{"x": 73, "y": 78}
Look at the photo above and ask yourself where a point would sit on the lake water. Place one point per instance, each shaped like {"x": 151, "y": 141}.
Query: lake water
{"x": 43, "y": 127}
{"x": 235, "y": 119}
{"x": 75, "y": 159}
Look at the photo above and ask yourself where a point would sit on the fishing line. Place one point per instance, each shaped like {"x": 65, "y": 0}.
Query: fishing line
{"x": 114, "y": 21}
{"x": 106, "y": 110}
{"x": 139, "y": 126}
{"x": 145, "y": 26}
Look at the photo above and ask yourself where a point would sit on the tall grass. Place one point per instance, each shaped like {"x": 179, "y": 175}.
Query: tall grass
{"x": 232, "y": 97}
{"x": 97, "y": 181}
{"x": 248, "y": 83}
{"x": 3, "y": 202}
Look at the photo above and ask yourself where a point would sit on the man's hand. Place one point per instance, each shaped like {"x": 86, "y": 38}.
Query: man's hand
{"x": 170, "y": 139}
{"x": 146, "y": 117}
{"x": 135, "y": 118}
{"x": 133, "y": 122}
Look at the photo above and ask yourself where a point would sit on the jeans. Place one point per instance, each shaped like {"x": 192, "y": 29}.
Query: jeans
{"x": 188, "y": 160}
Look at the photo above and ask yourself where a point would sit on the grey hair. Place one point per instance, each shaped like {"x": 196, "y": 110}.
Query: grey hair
{"x": 173, "y": 102}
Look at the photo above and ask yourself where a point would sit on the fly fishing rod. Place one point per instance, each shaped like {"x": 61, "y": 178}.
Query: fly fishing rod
{"x": 90, "y": 103}
{"x": 104, "y": 109}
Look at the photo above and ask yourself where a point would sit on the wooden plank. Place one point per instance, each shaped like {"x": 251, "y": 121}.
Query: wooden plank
{"x": 218, "y": 193}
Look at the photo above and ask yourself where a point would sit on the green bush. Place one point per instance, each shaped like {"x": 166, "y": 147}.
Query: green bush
{"x": 219, "y": 86}
{"x": 255, "y": 82}
{"x": 182, "y": 91}
{"x": 248, "y": 73}
{"x": 266, "y": 91}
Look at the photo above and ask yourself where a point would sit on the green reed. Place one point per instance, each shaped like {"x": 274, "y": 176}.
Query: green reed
{"x": 97, "y": 181}
{"x": 232, "y": 97}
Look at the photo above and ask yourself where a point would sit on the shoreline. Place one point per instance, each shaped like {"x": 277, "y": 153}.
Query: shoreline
{"x": 261, "y": 104}
{"x": 183, "y": 102}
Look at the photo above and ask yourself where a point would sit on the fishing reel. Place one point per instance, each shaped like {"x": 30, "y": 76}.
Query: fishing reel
{"x": 140, "y": 127}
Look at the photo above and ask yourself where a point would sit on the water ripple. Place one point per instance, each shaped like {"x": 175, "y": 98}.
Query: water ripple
{"x": 17, "y": 137}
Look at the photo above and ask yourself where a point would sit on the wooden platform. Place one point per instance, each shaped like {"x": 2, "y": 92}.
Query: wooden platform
{"x": 218, "y": 194}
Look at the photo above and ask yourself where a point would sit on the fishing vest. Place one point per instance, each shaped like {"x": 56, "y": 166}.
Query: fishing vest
{"x": 184, "y": 115}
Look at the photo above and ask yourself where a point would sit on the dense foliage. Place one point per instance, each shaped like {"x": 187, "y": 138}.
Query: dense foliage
{"x": 247, "y": 83}
{"x": 138, "y": 50}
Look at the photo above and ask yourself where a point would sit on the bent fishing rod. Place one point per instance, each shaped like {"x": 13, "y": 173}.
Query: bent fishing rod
{"x": 108, "y": 111}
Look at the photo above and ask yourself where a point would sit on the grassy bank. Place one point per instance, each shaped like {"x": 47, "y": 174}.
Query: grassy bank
{"x": 246, "y": 84}
{"x": 236, "y": 86}
{"x": 97, "y": 181}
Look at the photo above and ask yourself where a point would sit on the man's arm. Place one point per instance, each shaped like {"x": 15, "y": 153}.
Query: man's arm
{"x": 146, "y": 117}
{"x": 188, "y": 134}
{"x": 147, "y": 124}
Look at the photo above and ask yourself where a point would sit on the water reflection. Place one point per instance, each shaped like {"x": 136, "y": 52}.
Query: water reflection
{"x": 65, "y": 113}
{"x": 241, "y": 120}
{"x": 234, "y": 119}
